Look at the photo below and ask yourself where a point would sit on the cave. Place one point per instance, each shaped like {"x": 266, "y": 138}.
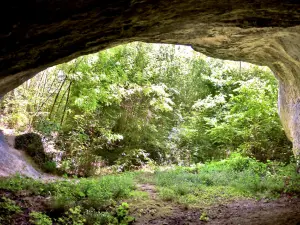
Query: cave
{"x": 39, "y": 34}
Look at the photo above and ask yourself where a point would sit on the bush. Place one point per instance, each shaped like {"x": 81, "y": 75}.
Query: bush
{"x": 18, "y": 183}
{"x": 104, "y": 191}
{"x": 49, "y": 167}
{"x": 8, "y": 208}
{"x": 99, "y": 218}
{"x": 72, "y": 217}
{"x": 32, "y": 144}
{"x": 167, "y": 194}
{"x": 120, "y": 215}
{"x": 132, "y": 158}
{"x": 123, "y": 214}
{"x": 45, "y": 126}
{"x": 18, "y": 120}
{"x": 38, "y": 218}
{"x": 235, "y": 177}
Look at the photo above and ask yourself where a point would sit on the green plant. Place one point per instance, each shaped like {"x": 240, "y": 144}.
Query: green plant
{"x": 132, "y": 158}
{"x": 123, "y": 214}
{"x": 33, "y": 145}
{"x": 138, "y": 195}
{"x": 226, "y": 180}
{"x": 204, "y": 217}
{"x": 72, "y": 217}
{"x": 45, "y": 126}
{"x": 167, "y": 194}
{"x": 49, "y": 167}
{"x": 38, "y": 218}
{"x": 19, "y": 120}
{"x": 8, "y": 209}
{"x": 99, "y": 218}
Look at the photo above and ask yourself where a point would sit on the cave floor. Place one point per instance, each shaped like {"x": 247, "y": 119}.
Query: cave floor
{"x": 282, "y": 211}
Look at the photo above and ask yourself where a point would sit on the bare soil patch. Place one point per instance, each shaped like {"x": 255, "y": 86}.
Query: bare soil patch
{"x": 283, "y": 211}
{"x": 28, "y": 203}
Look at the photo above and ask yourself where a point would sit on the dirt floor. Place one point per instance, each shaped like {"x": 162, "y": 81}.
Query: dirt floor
{"x": 27, "y": 203}
{"x": 150, "y": 211}
{"x": 283, "y": 211}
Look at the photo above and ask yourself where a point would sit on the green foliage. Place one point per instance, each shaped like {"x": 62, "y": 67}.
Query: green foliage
{"x": 240, "y": 116}
{"x": 49, "y": 167}
{"x": 18, "y": 183}
{"x": 96, "y": 192}
{"x": 204, "y": 217}
{"x": 132, "y": 158}
{"x": 136, "y": 104}
{"x": 38, "y": 218}
{"x": 109, "y": 188}
{"x": 73, "y": 217}
{"x": 45, "y": 126}
{"x": 83, "y": 201}
{"x": 8, "y": 209}
{"x": 167, "y": 194}
{"x": 98, "y": 200}
{"x": 123, "y": 214}
{"x": 17, "y": 119}
{"x": 118, "y": 216}
{"x": 94, "y": 217}
{"x": 32, "y": 144}
{"x": 138, "y": 195}
{"x": 229, "y": 179}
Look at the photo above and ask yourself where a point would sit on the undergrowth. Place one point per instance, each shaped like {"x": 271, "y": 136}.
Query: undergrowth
{"x": 103, "y": 200}
{"x": 234, "y": 178}
{"x": 78, "y": 201}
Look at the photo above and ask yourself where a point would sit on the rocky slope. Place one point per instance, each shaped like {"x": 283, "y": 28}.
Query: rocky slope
{"x": 13, "y": 161}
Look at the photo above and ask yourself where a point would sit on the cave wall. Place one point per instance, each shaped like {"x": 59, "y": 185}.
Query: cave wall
{"x": 37, "y": 34}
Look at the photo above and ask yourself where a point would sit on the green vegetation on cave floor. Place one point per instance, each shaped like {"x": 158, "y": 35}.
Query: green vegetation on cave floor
{"x": 146, "y": 134}
{"x": 234, "y": 190}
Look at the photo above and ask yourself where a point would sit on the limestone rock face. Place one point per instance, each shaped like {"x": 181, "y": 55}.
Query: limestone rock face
{"x": 38, "y": 34}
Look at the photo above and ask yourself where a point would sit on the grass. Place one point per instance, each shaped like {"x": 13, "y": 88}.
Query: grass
{"x": 77, "y": 198}
{"x": 97, "y": 200}
{"x": 218, "y": 182}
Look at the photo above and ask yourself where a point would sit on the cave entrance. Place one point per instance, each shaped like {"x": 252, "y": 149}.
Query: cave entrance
{"x": 166, "y": 103}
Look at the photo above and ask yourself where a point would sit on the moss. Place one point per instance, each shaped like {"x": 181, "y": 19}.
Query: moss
{"x": 149, "y": 209}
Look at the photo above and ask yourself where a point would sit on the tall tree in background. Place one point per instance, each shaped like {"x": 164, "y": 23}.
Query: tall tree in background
{"x": 141, "y": 102}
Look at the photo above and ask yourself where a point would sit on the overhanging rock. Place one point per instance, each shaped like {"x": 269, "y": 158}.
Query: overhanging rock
{"x": 37, "y": 34}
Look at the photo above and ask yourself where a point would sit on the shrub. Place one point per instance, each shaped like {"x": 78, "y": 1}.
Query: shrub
{"x": 72, "y": 217}
{"x": 132, "y": 158}
{"x": 32, "y": 144}
{"x": 8, "y": 208}
{"x": 123, "y": 214}
{"x": 120, "y": 215}
{"x": 99, "y": 218}
{"x": 167, "y": 194}
{"x": 49, "y": 167}
{"x": 38, "y": 218}
{"x": 225, "y": 180}
{"x": 18, "y": 183}
{"x": 102, "y": 192}
{"x": 18, "y": 120}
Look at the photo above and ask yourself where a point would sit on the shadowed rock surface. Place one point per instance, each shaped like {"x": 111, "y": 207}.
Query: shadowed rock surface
{"x": 39, "y": 34}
